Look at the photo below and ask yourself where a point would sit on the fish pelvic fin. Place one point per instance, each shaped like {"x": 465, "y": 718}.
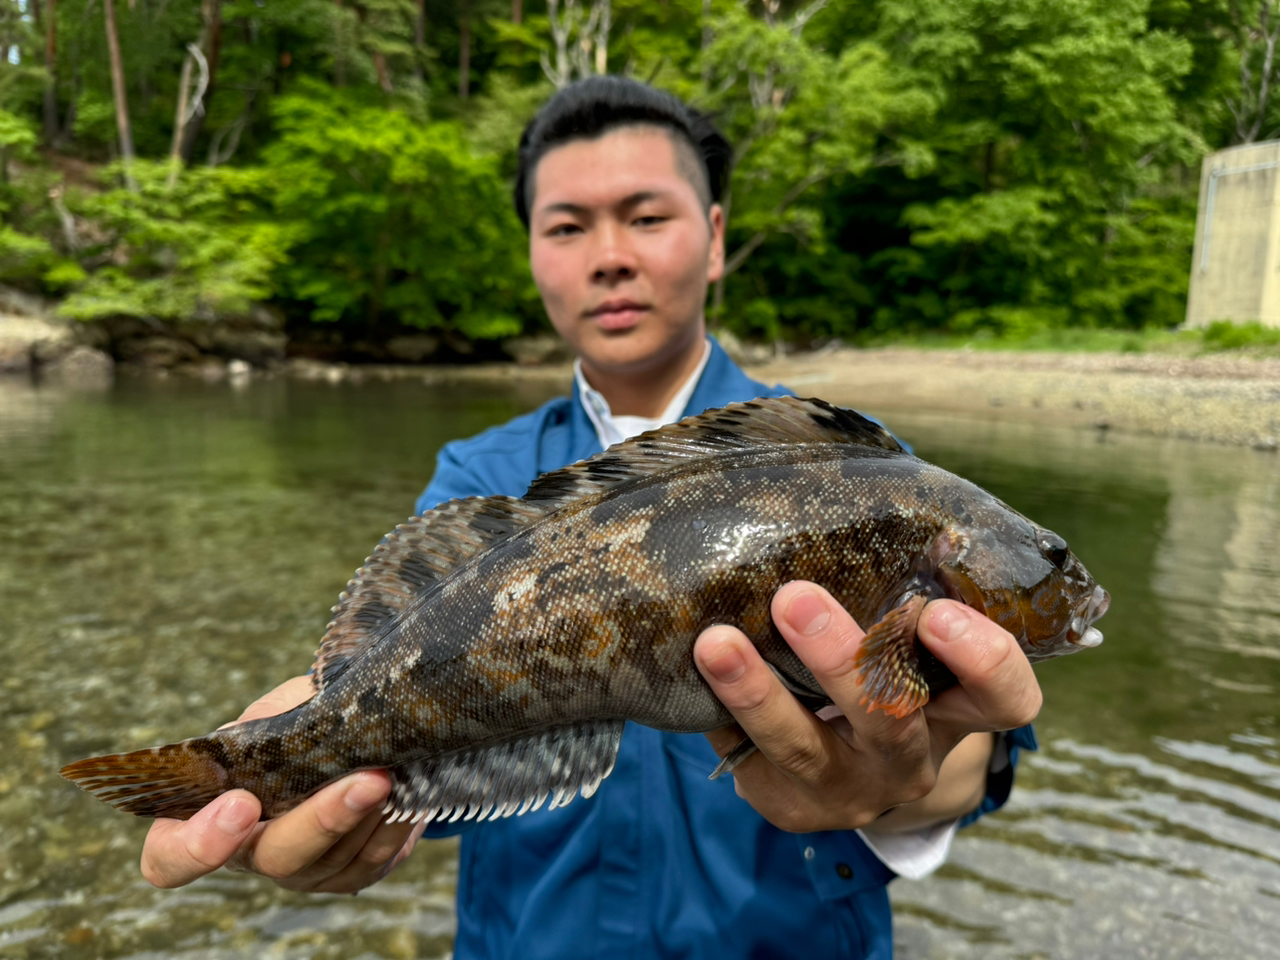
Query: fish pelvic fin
{"x": 765, "y": 423}
{"x": 888, "y": 662}
{"x": 730, "y": 761}
{"x": 406, "y": 565}
{"x": 508, "y": 778}
{"x": 175, "y": 780}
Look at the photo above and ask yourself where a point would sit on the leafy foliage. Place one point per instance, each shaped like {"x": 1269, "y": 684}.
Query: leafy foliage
{"x": 389, "y": 217}
{"x": 971, "y": 166}
{"x": 176, "y": 254}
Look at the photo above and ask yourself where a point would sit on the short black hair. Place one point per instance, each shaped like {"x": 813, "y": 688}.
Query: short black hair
{"x": 593, "y": 106}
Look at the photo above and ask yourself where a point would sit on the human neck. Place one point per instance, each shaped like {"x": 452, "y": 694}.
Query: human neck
{"x": 649, "y": 392}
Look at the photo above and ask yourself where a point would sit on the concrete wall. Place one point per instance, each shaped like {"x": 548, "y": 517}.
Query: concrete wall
{"x": 1235, "y": 270}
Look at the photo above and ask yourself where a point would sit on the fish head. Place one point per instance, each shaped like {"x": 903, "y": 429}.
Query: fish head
{"x": 1026, "y": 579}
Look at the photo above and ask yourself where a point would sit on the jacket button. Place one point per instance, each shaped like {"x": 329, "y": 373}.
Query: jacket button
{"x": 845, "y": 871}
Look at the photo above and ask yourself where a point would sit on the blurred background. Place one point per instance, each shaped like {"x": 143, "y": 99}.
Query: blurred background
{"x": 335, "y": 174}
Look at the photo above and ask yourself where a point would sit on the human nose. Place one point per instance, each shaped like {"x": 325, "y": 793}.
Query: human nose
{"x": 613, "y": 258}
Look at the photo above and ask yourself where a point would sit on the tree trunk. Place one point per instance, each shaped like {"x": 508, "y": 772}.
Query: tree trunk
{"x": 464, "y": 49}
{"x": 706, "y": 42}
{"x": 380, "y": 67}
{"x": 517, "y": 11}
{"x": 118, "y": 90}
{"x": 179, "y": 120}
{"x": 51, "y": 65}
{"x": 339, "y": 51}
{"x": 419, "y": 40}
{"x": 211, "y": 46}
{"x": 604, "y": 13}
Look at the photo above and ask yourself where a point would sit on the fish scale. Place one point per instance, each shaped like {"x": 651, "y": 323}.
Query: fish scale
{"x": 490, "y": 651}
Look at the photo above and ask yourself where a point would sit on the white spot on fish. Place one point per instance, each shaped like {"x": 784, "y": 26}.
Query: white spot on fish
{"x": 513, "y": 591}
{"x": 399, "y": 667}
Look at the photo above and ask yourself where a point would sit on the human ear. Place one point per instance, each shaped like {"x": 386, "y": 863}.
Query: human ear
{"x": 715, "y": 255}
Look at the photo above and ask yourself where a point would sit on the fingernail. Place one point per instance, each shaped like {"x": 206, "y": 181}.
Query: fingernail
{"x": 950, "y": 621}
{"x": 808, "y": 613}
{"x": 235, "y": 817}
{"x": 725, "y": 663}
{"x": 363, "y": 795}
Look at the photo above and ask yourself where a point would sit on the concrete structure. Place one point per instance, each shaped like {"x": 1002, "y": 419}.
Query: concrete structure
{"x": 1235, "y": 270}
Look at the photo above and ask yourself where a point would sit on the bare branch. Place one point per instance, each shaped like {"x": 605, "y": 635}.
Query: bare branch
{"x": 197, "y": 102}
{"x": 804, "y": 16}
{"x": 740, "y": 255}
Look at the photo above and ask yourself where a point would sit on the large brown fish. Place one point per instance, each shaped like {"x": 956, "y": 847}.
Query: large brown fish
{"x": 490, "y": 651}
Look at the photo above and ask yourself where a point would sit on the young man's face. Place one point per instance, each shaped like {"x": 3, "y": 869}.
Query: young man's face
{"x": 622, "y": 251}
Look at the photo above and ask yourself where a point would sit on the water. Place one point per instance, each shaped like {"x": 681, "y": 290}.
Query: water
{"x": 170, "y": 550}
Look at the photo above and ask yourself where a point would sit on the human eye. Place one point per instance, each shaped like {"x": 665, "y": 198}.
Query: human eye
{"x": 649, "y": 220}
{"x": 563, "y": 229}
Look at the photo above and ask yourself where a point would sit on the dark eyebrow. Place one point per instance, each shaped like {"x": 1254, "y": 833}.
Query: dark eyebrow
{"x": 631, "y": 200}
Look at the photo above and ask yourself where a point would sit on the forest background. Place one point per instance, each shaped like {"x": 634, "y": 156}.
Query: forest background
{"x": 999, "y": 167}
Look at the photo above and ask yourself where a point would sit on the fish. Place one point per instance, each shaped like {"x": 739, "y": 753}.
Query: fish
{"x": 490, "y": 651}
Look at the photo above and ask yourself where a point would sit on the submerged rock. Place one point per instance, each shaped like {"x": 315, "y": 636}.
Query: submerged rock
{"x": 80, "y": 367}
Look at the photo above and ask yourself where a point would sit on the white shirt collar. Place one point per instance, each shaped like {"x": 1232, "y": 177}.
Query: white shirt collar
{"x": 611, "y": 429}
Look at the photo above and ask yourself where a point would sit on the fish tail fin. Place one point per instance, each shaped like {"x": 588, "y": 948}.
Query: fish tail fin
{"x": 175, "y": 780}
{"x": 887, "y": 663}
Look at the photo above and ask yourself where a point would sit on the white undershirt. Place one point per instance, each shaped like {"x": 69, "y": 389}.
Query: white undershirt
{"x": 913, "y": 855}
{"x": 611, "y": 429}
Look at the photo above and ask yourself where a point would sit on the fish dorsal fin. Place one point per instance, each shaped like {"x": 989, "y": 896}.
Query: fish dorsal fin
{"x": 408, "y": 562}
{"x": 756, "y": 424}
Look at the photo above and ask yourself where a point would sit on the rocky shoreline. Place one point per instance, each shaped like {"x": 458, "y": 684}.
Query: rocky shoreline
{"x": 1231, "y": 398}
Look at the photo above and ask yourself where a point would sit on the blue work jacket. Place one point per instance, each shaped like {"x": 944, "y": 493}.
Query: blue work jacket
{"x": 661, "y": 862}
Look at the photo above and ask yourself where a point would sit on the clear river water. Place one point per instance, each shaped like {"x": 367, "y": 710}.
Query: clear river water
{"x": 169, "y": 550}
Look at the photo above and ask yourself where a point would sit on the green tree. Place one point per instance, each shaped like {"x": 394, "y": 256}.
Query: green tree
{"x": 797, "y": 116}
{"x": 176, "y": 254}
{"x": 394, "y": 222}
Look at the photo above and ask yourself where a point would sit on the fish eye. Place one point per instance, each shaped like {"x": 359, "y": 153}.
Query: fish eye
{"x": 1054, "y": 549}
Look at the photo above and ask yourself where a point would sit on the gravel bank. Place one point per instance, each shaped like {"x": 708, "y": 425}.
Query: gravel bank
{"x": 1223, "y": 398}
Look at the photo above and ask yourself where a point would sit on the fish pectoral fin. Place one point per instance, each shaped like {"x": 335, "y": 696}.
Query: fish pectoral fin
{"x": 507, "y": 778}
{"x": 730, "y": 760}
{"x": 888, "y": 662}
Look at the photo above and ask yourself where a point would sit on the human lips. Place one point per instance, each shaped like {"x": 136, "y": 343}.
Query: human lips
{"x": 617, "y": 314}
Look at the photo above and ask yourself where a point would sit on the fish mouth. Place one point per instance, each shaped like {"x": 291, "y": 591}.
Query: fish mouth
{"x": 1082, "y": 632}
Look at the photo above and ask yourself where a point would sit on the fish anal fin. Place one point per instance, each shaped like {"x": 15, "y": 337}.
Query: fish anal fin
{"x": 508, "y": 778}
{"x": 766, "y": 423}
{"x": 406, "y": 564}
{"x": 888, "y": 663}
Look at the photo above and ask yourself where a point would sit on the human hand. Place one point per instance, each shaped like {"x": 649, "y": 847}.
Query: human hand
{"x": 333, "y": 842}
{"x": 813, "y": 775}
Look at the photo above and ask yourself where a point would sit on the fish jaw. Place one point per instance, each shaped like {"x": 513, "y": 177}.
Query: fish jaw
{"x": 1083, "y": 634}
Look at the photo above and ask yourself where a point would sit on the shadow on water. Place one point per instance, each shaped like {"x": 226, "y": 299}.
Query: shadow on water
{"x": 168, "y": 551}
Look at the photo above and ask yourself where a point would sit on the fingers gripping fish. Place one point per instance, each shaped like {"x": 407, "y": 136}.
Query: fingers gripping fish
{"x": 490, "y": 651}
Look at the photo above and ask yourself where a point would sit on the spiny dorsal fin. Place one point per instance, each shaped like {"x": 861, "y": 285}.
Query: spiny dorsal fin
{"x": 408, "y": 562}
{"x": 768, "y": 422}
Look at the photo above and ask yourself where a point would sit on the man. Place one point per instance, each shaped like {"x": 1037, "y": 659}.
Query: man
{"x": 618, "y": 186}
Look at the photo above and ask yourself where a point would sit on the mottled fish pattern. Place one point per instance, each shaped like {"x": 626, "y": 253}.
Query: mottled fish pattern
{"x": 490, "y": 651}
